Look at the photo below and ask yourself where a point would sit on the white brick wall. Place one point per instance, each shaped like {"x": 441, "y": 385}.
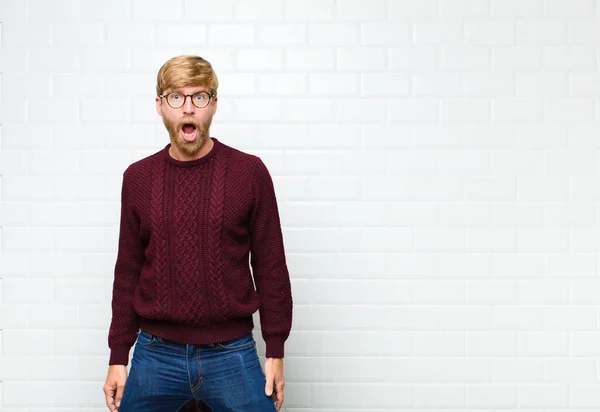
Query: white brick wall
{"x": 437, "y": 166}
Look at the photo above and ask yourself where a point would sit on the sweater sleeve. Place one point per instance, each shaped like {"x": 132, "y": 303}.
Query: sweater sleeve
{"x": 130, "y": 259}
{"x": 269, "y": 264}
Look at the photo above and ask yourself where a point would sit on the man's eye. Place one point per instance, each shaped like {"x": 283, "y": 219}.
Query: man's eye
{"x": 175, "y": 96}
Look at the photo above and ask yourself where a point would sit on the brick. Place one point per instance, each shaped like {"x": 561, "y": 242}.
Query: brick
{"x": 338, "y": 35}
{"x": 281, "y": 84}
{"x": 244, "y": 84}
{"x": 490, "y": 188}
{"x": 543, "y": 344}
{"x": 231, "y": 34}
{"x": 584, "y": 84}
{"x": 361, "y": 110}
{"x": 258, "y": 10}
{"x": 518, "y": 370}
{"x": 576, "y": 266}
{"x": 25, "y": 35}
{"x": 77, "y": 34}
{"x": 385, "y": 34}
{"x": 517, "y": 58}
{"x": 77, "y": 85}
{"x": 358, "y": 10}
{"x": 570, "y": 370}
{"x": 429, "y": 344}
{"x": 543, "y": 291}
{"x": 207, "y": 10}
{"x": 491, "y": 84}
{"x": 414, "y": 110}
{"x": 549, "y": 84}
{"x": 132, "y": 34}
{"x": 439, "y": 188}
{"x": 569, "y": 110}
{"x": 574, "y": 9}
{"x": 584, "y": 32}
{"x": 469, "y": 318}
{"x": 519, "y": 318}
{"x": 497, "y": 33}
{"x": 152, "y": 10}
{"x": 13, "y": 59}
{"x": 491, "y": 240}
{"x": 544, "y": 396}
{"x": 412, "y": 162}
{"x": 334, "y": 84}
{"x": 309, "y": 58}
{"x": 310, "y": 10}
{"x": 440, "y": 240}
{"x": 414, "y": 58}
{"x": 258, "y": 59}
{"x": 282, "y": 34}
{"x": 361, "y": 59}
{"x": 108, "y": 11}
{"x": 102, "y": 60}
{"x": 384, "y": 136}
{"x": 438, "y": 84}
{"x": 465, "y": 110}
{"x": 60, "y": 10}
{"x": 176, "y": 34}
{"x": 410, "y": 10}
{"x": 464, "y": 9}
{"x": 376, "y": 84}
{"x": 380, "y": 396}
{"x": 518, "y": 163}
{"x": 542, "y": 33}
{"x": 518, "y": 215}
{"x": 439, "y": 33}
{"x": 517, "y": 9}
{"x": 569, "y": 58}
{"x": 307, "y": 110}
{"x": 517, "y": 110}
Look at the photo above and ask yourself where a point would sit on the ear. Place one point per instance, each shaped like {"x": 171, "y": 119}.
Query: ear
{"x": 158, "y": 106}
{"x": 214, "y": 104}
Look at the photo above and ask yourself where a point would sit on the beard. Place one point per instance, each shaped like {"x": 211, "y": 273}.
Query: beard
{"x": 175, "y": 129}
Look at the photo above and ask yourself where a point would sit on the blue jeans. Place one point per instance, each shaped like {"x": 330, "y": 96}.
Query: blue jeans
{"x": 164, "y": 375}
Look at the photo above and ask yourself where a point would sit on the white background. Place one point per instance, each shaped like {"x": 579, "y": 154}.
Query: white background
{"x": 437, "y": 168}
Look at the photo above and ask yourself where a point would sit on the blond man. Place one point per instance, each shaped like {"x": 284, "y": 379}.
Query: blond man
{"x": 200, "y": 250}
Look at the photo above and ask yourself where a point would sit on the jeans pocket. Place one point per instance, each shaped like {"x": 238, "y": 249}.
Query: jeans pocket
{"x": 146, "y": 339}
{"x": 244, "y": 342}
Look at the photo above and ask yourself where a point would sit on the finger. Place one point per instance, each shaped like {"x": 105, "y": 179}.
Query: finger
{"x": 110, "y": 401}
{"x": 279, "y": 401}
{"x": 269, "y": 385}
{"x": 120, "y": 390}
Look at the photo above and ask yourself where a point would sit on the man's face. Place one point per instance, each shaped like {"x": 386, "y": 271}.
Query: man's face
{"x": 188, "y": 125}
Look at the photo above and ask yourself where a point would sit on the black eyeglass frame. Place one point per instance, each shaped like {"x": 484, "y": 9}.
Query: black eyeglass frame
{"x": 185, "y": 96}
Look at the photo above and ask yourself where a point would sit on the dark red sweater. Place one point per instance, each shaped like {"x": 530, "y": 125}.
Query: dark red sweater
{"x": 190, "y": 230}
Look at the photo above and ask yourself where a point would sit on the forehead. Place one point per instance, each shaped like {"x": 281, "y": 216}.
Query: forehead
{"x": 186, "y": 89}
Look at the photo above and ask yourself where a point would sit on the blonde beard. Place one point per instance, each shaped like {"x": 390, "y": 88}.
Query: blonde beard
{"x": 189, "y": 148}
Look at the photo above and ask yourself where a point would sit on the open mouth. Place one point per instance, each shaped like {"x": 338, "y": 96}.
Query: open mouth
{"x": 189, "y": 132}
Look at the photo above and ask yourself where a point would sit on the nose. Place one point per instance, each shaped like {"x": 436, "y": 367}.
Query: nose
{"x": 188, "y": 106}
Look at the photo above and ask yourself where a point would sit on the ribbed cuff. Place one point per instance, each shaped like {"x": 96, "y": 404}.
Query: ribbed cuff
{"x": 275, "y": 346}
{"x": 119, "y": 355}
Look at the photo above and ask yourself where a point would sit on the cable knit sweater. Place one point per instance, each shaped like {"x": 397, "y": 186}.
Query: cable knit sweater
{"x": 190, "y": 230}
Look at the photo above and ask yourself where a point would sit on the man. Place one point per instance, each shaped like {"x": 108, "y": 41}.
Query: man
{"x": 194, "y": 217}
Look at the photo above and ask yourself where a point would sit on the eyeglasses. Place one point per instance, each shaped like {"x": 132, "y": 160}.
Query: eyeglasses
{"x": 177, "y": 99}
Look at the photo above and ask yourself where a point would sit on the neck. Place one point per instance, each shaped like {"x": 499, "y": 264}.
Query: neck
{"x": 177, "y": 154}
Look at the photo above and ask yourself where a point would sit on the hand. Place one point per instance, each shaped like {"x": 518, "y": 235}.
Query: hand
{"x": 275, "y": 381}
{"x": 114, "y": 386}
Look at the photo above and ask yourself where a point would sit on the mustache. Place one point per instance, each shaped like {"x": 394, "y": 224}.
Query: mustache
{"x": 188, "y": 120}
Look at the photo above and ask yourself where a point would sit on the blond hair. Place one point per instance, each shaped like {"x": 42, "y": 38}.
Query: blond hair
{"x": 184, "y": 71}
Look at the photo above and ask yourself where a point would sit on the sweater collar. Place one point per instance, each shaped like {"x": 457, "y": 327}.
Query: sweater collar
{"x": 191, "y": 163}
